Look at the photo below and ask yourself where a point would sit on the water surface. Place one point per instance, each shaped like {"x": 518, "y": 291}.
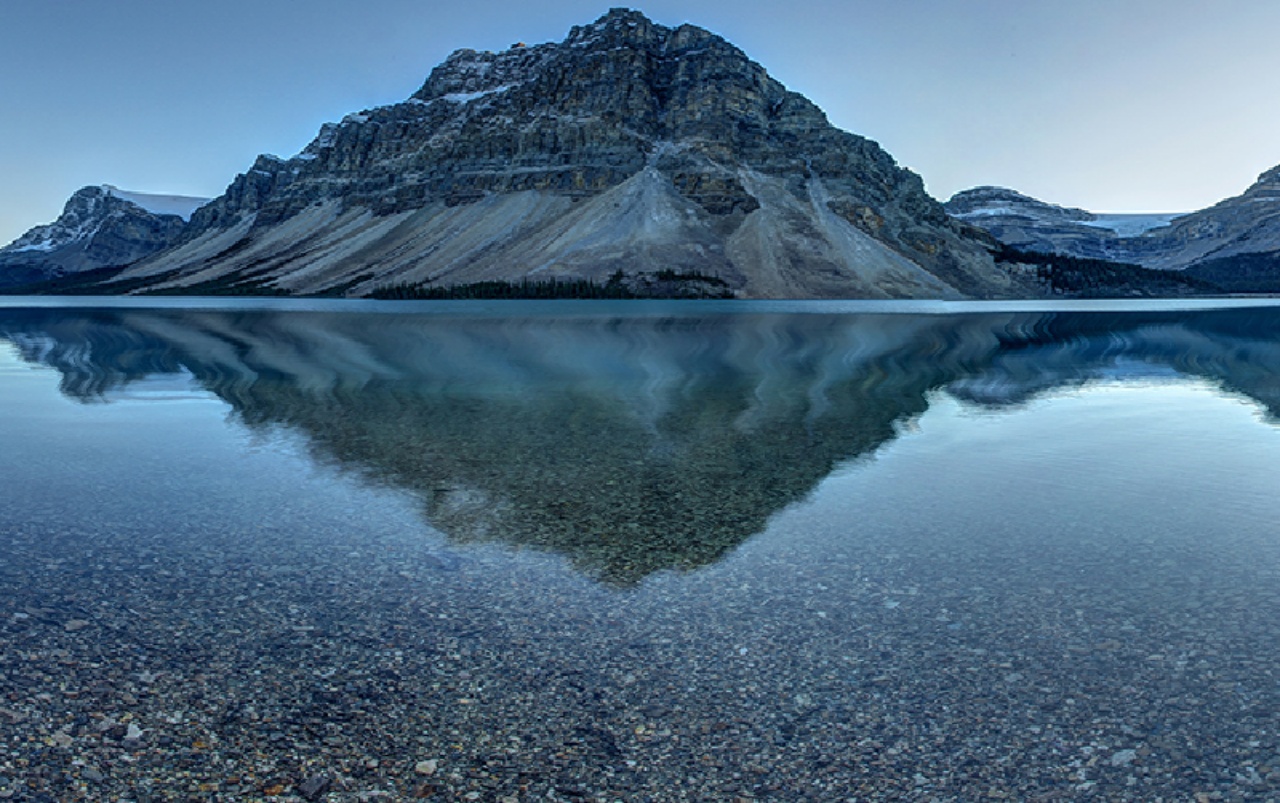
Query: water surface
{"x": 639, "y": 551}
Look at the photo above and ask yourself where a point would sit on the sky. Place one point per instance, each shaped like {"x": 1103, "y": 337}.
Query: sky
{"x": 1109, "y": 105}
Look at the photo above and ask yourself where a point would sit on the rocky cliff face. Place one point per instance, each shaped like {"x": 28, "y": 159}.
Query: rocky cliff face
{"x": 1214, "y": 243}
{"x": 628, "y": 146}
{"x": 99, "y": 227}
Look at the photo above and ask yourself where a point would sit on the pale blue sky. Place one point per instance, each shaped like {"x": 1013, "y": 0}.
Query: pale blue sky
{"x": 1113, "y": 105}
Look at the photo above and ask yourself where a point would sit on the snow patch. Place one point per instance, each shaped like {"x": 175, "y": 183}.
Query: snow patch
{"x": 467, "y": 97}
{"x": 1122, "y": 224}
{"x": 326, "y": 136}
{"x": 181, "y": 205}
{"x": 45, "y": 245}
{"x": 1131, "y": 225}
{"x": 992, "y": 211}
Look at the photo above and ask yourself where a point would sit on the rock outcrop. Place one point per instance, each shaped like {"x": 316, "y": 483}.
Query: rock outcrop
{"x": 100, "y": 227}
{"x": 628, "y": 146}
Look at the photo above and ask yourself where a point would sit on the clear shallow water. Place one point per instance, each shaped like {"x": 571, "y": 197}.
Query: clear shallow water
{"x": 694, "y": 552}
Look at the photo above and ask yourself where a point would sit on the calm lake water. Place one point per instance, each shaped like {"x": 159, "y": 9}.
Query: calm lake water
{"x": 639, "y": 551}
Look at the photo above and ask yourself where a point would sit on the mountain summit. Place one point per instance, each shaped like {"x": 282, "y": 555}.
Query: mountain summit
{"x": 100, "y": 227}
{"x": 628, "y": 147}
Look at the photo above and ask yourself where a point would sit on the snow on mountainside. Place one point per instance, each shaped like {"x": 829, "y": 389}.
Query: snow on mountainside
{"x": 1132, "y": 225}
{"x": 989, "y": 206}
{"x": 100, "y": 226}
{"x": 1030, "y": 224}
{"x": 180, "y": 205}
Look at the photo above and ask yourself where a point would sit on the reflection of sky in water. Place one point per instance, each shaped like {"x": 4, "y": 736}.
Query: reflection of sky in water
{"x": 914, "y": 557}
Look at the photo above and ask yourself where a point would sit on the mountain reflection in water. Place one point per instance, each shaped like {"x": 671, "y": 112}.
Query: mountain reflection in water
{"x": 628, "y": 444}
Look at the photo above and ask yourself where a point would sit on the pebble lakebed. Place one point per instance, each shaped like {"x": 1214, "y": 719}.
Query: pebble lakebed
{"x": 292, "y": 591}
{"x": 260, "y": 665}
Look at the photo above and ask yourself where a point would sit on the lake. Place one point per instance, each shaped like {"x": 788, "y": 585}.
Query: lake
{"x": 636, "y": 551}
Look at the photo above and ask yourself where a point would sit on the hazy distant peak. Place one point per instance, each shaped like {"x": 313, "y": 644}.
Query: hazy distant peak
{"x": 987, "y": 201}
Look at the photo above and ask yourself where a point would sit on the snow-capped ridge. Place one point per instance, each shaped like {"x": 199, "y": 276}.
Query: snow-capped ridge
{"x": 181, "y": 205}
{"x": 1132, "y": 224}
{"x": 100, "y": 226}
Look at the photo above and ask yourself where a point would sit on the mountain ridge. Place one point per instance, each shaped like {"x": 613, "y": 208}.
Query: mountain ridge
{"x": 1208, "y": 243}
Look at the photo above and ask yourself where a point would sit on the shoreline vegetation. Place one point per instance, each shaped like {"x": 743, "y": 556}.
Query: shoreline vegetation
{"x": 1076, "y": 277}
{"x": 1058, "y": 275}
{"x": 661, "y": 284}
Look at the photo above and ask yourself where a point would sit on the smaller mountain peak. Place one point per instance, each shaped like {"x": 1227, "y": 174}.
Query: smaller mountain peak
{"x": 1271, "y": 176}
{"x": 989, "y": 200}
{"x": 988, "y": 191}
{"x": 623, "y": 17}
{"x": 93, "y": 191}
{"x": 618, "y": 23}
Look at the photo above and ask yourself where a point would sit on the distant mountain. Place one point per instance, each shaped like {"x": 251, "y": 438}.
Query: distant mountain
{"x": 99, "y": 227}
{"x": 1028, "y": 224}
{"x": 629, "y": 147}
{"x": 1234, "y": 243}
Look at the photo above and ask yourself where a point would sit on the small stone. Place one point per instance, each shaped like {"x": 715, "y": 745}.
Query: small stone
{"x": 134, "y": 733}
{"x": 427, "y": 767}
{"x": 75, "y": 624}
{"x": 315, "y": 786}
{"x": 1123, "y": 758}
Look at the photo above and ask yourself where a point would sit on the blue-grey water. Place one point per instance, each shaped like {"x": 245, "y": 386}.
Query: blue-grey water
{"x": 633, "y": 551}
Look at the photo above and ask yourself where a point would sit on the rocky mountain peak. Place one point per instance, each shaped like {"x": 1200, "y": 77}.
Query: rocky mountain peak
{"x": 1272, "y": 176}
{"x": 616, "y": 26}
{"x": 990, "y": 200}
{"x": 1266, "y": 188}
{"x": 627, "y": 146}
{"x": 82, "y": 217}
{"x": 468, "y": 72}
{"x": 100, "y": 226}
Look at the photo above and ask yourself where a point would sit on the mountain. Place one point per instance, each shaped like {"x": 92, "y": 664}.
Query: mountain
{"x": 1028, "y": 224}
{"x": 1234, "y": 243}
{"x": 629, "y": 147}
{"x": 99, "y": 227}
